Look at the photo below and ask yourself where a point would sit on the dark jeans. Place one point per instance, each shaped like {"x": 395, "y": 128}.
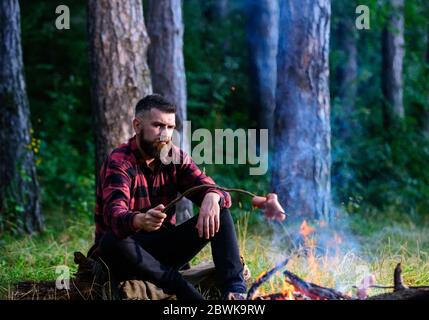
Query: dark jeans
{"x": 158, "y": 256}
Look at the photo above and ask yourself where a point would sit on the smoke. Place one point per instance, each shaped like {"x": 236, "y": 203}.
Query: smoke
{"x": 327, "y": 254}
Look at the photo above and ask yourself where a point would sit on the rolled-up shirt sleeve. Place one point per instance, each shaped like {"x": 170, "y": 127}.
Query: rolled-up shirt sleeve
{"x": 189, "y": 175}
{"x": 116, "y": 199}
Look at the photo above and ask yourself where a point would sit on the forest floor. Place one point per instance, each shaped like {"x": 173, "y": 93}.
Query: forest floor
{"x": 337, "y": 256}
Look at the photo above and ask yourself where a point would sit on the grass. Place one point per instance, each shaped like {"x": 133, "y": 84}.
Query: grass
{"x": 36, "y": 257}
{"x": 336, "y": 256}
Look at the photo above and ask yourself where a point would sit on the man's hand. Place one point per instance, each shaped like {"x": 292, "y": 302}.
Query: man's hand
{"x": 150, "y": 220}
{"x": 208, "y": 219}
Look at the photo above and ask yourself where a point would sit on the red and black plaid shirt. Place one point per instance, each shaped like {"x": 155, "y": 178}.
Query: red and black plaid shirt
{"x": 127, "y": 185}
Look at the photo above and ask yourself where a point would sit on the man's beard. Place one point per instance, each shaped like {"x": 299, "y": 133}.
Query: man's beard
{"x": 152, "y": 148}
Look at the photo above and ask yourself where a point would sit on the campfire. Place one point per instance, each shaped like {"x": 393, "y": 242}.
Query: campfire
{"x": 293, "y": 287}
{"x": 296, "y": 288}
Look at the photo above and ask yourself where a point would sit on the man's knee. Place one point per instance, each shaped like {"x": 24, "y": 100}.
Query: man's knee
{"x": 109, "y": 243}
{"x": 225, "y": 217}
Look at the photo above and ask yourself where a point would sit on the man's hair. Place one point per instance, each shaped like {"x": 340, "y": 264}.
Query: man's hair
{"x": 155, "y": 101}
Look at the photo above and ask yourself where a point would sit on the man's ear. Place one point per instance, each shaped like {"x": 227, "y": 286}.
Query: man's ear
{"x": 136, "y": 125}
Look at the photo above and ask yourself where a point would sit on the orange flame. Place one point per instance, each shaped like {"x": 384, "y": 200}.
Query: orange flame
{"x": 305, "y": 230}
{"x": 315, "y": 275}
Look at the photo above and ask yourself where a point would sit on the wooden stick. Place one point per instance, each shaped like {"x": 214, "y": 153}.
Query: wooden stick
{"x": 272, "y": 296}
{"x": 312, "y": 290}
{"x": 281, "y": 296}
{"x": 264, "y": 278}
{"x": 196, "y": 188}
{"x": 398, "y": 281}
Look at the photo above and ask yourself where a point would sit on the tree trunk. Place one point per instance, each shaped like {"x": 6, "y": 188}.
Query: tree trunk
{"x": 347, "y": 74}
{"x": 262, "y": 38}
{"x": 165, "y": 55}
{"x": 165, "y": 28}
{"x": 302, "y": 160}
{"x": 393, "y": 54}
{"x": 120, "y": 76}
{"x": 19, "y": 189}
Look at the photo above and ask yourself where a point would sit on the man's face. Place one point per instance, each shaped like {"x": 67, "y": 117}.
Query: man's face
{"x": 154, "y": 131}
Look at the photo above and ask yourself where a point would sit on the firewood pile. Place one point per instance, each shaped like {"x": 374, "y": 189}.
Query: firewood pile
{"x": 300, "y": 289}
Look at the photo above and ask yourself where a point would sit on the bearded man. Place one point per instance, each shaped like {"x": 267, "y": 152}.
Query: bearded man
{"x": 135, "y": 237}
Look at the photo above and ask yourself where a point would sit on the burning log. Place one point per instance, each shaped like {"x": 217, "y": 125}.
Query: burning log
{"x": 273, "y": 296}
{"x": 264, "y": 277}
{"x": 282, "y": 296}
{"x": 313, "y": 291}
{"x": 302, "y": 290}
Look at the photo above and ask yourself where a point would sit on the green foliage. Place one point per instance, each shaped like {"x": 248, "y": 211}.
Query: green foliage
{"x": 11, "y": 217}
{"x": 18, "y": 195}
{"x": 216, "y": 68}
{"x": 383, "y": 173}
{"x": 57, "y": 75}
{"x": 376, "y": 168}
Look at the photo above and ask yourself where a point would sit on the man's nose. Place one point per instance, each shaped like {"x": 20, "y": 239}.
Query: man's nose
{"x": 164, "y": 135}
